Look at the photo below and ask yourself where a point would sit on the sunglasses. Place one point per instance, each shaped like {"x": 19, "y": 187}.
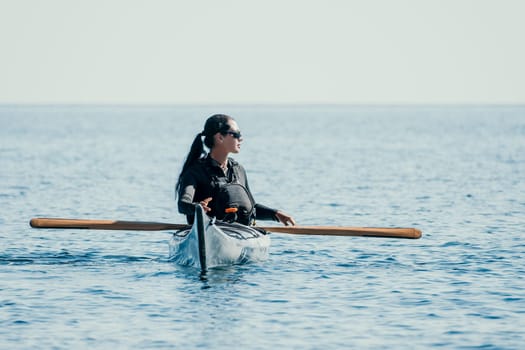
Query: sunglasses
{"x": 235, "y": 134}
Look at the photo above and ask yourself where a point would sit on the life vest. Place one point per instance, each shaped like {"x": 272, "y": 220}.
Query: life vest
{"x": 232, "y": 201}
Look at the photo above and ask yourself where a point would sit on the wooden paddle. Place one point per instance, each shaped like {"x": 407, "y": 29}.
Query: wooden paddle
{"x": 159, "y": 226}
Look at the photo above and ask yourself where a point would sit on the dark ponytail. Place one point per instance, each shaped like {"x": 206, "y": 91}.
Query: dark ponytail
{"x": 214, "y": 124}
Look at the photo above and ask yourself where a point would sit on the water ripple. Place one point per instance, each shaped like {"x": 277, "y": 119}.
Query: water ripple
{"x": 68, "y": 258}
{"x": 454, "y": 172}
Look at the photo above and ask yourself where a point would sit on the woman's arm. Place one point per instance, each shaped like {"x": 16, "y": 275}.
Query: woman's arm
{"x": 263, "y": 212}
{"x": 185, "y": 201}
{"x": 188, "y": 188}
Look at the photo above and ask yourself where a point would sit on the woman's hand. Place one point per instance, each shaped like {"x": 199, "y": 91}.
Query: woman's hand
{"x": 285, "y": 218}
{"x": 204, "y": 204}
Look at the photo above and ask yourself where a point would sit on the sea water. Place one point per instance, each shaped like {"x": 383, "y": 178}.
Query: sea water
{"x": 455, "y": 172}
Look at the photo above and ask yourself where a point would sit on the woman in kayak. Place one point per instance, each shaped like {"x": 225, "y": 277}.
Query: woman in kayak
{"x": 218, "y": 183}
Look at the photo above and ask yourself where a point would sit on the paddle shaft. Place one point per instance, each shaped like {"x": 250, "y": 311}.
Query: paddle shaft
{"x": 159, "y": 226}
{"x": 347, "y": 231}
{"x": 104, "y": 224}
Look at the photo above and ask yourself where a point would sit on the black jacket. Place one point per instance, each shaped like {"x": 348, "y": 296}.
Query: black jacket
{"x": 199, "y": 182}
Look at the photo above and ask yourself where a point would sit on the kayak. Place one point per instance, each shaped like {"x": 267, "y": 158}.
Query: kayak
{"x": 213, "y": 243}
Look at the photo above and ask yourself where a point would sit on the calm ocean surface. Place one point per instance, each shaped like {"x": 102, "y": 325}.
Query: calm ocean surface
{"x": 457, "y": 173}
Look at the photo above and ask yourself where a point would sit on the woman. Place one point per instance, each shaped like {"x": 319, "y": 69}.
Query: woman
{"x": 218, "y": 183}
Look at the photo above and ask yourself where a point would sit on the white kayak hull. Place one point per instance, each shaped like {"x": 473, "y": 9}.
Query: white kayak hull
{"x": 219, "y": 244}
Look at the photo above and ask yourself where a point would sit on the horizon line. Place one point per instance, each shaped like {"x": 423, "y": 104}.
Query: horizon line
{"x": 262, "y": 104}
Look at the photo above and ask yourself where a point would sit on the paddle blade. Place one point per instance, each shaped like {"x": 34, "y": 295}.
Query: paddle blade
{"x": 104, "y": 224}
{"x": 412, "y": 233}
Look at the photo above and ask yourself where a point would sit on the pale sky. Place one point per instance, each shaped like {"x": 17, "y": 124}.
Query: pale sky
{"x": 266, "y": 51}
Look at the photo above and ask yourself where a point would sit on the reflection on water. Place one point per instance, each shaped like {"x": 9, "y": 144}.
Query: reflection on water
{"x": 453, "y": 172}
